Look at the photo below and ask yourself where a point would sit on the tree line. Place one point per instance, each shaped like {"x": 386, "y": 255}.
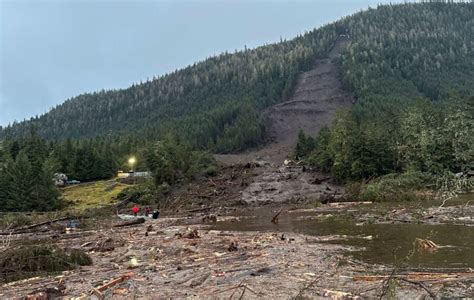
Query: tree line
{"x": 28, "y": 165}
{"x": 424, "y": 137}
{"x": 411, "y": 67}
{"x": 214, "y": 104}
{"x": 397, "y": 53}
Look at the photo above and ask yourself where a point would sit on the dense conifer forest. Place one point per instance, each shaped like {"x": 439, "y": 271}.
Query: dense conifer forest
{"x": 410, "y": 66}
{"x": 412, "y": 69}
{"x": 398, "y": 53}
{"x": 213, "y": 104}
{"x": 28, "y": 165}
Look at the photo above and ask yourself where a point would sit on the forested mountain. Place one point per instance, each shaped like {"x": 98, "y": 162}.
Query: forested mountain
{"x": 412, "y": 68}
{"x": 397, "y": 53}
{"x": 405, "y": 51}
{"x": 214, "y": 104}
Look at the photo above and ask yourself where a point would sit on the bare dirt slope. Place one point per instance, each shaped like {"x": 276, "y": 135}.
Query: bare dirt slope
{"x": 318, "y": 94}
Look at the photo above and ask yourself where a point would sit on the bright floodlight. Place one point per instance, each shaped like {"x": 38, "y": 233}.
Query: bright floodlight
{"x": 132, "y": 160}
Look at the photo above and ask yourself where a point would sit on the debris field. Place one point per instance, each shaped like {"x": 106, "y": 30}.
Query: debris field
{"x": 178, "y": 258}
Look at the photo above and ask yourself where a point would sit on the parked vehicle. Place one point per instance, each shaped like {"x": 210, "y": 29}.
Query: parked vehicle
{"x": 73, "y": 181}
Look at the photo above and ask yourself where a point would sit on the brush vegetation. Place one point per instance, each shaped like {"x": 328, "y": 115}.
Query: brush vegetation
{"x": 34, "y": 260}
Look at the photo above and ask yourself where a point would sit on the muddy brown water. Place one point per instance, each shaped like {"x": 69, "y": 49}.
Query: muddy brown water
{"x": 387, "y": 244}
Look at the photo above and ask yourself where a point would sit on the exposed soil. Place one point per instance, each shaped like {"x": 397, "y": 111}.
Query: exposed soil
{"x": 317, "y": 95}
{"x": 289, "y": 184}
{"x": 170, "y": 257}
{"x": 253, "y": 184}
{"x": 207, "y": 247}
{"x": 223, "y": 190}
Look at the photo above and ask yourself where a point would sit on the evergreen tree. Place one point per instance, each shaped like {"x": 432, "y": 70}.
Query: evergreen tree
{"x": 26, "y": 183}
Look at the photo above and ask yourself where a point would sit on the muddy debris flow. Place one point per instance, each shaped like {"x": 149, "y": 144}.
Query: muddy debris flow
{"x": 231, "y": 257}
{"x": 288, "y": 184}
{"x": 253, "y": 231}
{"x": 317, "y": 95}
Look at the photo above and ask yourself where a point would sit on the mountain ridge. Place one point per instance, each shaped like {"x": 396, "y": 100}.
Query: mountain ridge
{"x": 397, "y": 51}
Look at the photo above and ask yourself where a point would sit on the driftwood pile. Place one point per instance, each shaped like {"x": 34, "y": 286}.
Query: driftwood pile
{"x": 28, "y": 228}
{"x": 196, "y": 261}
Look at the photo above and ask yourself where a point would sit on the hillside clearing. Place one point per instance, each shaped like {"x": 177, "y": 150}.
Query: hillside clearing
{"x": 93, "y": 194}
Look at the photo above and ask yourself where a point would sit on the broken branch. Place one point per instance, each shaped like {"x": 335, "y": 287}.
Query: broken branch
{"x": 98, "y": 290}
{"x": 422, "y": 285}
{"x": 275, "y": 218}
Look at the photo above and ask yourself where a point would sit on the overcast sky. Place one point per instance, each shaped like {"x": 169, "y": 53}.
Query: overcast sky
{"x": 54, "y": 50}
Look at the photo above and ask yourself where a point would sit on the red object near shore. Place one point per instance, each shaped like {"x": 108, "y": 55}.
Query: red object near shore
{"x": 135, "y": 210}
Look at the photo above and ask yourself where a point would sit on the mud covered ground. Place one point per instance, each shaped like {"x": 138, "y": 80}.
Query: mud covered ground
{"x": 190, "y": 255}
{"x": 289, "y": 184}
{"x": 256, "y": 184}
{"x": 218, "y": 240}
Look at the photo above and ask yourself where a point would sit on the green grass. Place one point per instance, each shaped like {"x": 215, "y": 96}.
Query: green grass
{"x": 93, "y": 194}
{"x": 82, "y": 201}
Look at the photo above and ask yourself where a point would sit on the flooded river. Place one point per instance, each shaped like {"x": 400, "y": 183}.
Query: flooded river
{"x": 392, "y": 244}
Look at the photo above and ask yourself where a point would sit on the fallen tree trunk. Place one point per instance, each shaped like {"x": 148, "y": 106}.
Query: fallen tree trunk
{"x": 321, "y": 180}
{"x": 197, "y": 210}
{"x": 26, "y": 228}
{"x": 130, "y": 223}
{"x": 98, "y": 290}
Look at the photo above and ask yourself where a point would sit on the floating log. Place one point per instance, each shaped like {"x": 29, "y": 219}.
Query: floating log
{"x": 427, "y": 244}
